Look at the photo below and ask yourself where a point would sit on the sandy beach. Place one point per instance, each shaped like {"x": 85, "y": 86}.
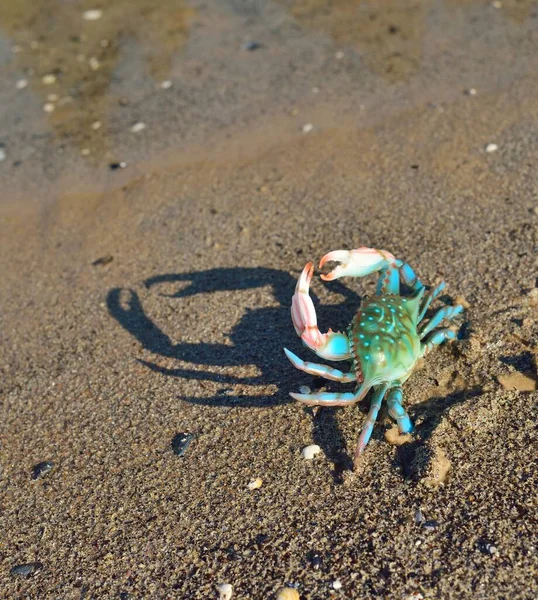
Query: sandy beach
{"x": 167, "y": 171}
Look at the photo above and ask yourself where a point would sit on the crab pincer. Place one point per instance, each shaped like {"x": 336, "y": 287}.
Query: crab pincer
{"x": 356, "y": 263}
{"x": 331, "y": 345}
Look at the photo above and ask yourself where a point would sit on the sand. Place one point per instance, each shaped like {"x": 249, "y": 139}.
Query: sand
{"x": 145, "y": 301}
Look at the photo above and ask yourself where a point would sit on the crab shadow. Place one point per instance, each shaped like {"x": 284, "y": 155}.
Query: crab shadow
{"x": 256, "y": 339}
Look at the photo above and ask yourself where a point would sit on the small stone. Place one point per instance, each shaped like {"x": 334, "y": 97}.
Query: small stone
{"x": 315, "y": 559}
{"x": 304, "y": 389}
{"x": 315, "y": 90}
{"x": 287, "y": 593}
{"x": 471, "y": 92}
{"x": 225, "y": 591}
{"x": 41, "y": 469}
{"x": 105, "y": 43}
{"x": 48, "y": 79}
{"x": 118, "y": 165}
{"x": 309, "y": 452}
{"x": 307, "y": 127}
{"x": 34, "y": 44}
{"x": 430, "y": 525}
{"x": 27, "y": 569}
{"x": 337, "y": 585}
{"x": 521, "y": 382}
{"x": 137, "y": 127}
{"x": 492, "y": 147}
{"x": 497, "y": 4}
{"x": 21, "y": 84}
{"x": 3, "y": 154}
{"x": 181, "y": 442}
{"x": 92, "y": 15}
{"x": 487, "y": 547}
{"x": 103, "y": 260}
{"x": 49, "y": 107}
{"x": 53, "y": 97}
{"x": 96, "y": 125}
{"x": 339, "y": 55}
{"x": 94, "y": 63}
{"x": 419, "y": 517}
{"x": 255, "y": 484}
{"x": 251, "y": 46}
{"x": 85, "y": 151}
{"x": 415, "y": 596}
{"x": 166, "y": 84}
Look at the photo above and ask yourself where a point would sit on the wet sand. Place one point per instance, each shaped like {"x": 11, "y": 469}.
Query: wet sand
{"x": 143, "y": 302}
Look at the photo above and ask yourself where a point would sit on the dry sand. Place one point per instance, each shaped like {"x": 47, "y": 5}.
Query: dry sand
{"x": 143, "y": 302}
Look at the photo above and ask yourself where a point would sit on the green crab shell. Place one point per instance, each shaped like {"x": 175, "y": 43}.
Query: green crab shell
{"x": 384, "y": 340}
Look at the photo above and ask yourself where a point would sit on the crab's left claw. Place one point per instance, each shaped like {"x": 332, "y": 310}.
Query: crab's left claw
{"x": 356, "y": 263}
{"x": 331, "y": 345}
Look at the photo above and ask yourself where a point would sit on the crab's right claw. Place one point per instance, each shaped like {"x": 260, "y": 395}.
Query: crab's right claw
{"x": 330, "y": 345}
{"x": 356, "y": 263}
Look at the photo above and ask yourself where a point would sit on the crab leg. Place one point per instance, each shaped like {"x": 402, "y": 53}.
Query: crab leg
{"x": 397, "y": 411}
{"x": 438, "y": 337}
{"x": 448, "y": 312}
{"x": 331, "y": 345}
{"x": 320, "y": 370}
{"x": 332, "y": 398}
{"x": 429, "y": 298}
{"x": 370, "y": 422}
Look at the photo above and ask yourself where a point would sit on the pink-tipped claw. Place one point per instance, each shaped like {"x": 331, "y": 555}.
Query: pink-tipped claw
{"x": 356, "y": 263}
{"x": 331, "y": 345}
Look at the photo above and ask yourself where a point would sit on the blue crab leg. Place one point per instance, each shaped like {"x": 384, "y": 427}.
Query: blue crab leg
{"x": 364, "y": 437}
{"x": 332, "y": 398}
{"x": 389, "y": 280}
{"x": 447, "y": 312}
{"x": 320, "y": 370}
{"x": 429, "y": 298}
{"x": 397, "y": 411}
{"x": 410, "y": 279}
{"x": 438, "y": 337}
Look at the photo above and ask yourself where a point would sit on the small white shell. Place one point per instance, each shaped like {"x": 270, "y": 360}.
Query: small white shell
{"x": 287, "y": 593}
{"x": 92, "y": 15}
{"x": 309, "y": 452}
{"x": 225, "y": 591}
{"x": 255, "y": 484}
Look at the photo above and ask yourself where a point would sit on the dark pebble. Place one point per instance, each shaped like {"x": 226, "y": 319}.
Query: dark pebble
{"x": 430, "y": 525}
{"x": 41, "y": 469}
{"x": 486, "y": 547}
{"x": 117, "y": 165}
{"x": 103, "y": 260}
{"x": 315, "y": 559}
{"x": 26, "y": 570}
{"x": 181, "y": 442}
{"x": 251, "y": 46}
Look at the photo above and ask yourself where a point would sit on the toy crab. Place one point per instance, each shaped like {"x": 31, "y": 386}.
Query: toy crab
{"x": 384, "y": 340}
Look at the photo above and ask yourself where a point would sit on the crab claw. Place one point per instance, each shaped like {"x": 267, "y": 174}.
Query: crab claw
{"x": 356, "y": 263}
{"x": 330, "y": 345}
